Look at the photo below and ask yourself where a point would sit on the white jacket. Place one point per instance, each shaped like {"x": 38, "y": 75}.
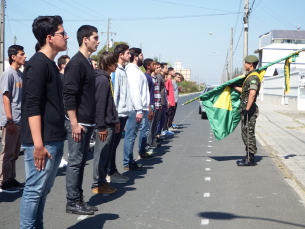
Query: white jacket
{"x": 121, "y": 92}
{"x": 138, "y": 88}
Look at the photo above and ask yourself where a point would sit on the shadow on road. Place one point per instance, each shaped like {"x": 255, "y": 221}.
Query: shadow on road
{"x": 96, "y": 221}
{"x": 229, "y": 216}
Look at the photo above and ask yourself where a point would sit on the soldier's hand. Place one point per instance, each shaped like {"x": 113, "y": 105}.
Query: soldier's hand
{"x": 246, "y": 114}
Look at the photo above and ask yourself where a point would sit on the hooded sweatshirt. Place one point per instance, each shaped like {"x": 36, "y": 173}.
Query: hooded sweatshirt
{"x": 139, "y": 92}
{"x": 122, "y": 99}
{"x": 106, "y": 113}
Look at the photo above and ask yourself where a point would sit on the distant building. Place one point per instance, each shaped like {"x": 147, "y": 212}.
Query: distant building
{"x": 280, "y": 43}
{"x": 185, "y": 72}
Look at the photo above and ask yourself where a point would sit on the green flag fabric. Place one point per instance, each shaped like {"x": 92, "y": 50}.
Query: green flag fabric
{"x": 222, "y": 107}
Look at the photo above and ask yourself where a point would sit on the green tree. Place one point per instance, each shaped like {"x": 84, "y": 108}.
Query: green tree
{"x": 189, "y": 86}
{"x": 97, "y": 56}
{"x": 237, "y": 72}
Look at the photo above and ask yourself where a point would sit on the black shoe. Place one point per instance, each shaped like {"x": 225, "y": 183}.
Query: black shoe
{"x": 133, "y": 166}
{"x": 159, "y": 140}
{"x": 78, "y": 208}
{"x": 7, "y": 187}
{"x": 155, "y": 144}
{"x": 145, "y": 156}
{"x": 92, "y": 208}
{"x": 245, "y": 163}
{"x": 15, "y": 184}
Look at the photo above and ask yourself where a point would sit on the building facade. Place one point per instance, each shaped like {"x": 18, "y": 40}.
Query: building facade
{"x": 185, "y": 72}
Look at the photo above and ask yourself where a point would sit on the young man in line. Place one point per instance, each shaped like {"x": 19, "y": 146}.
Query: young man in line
{"x": 175, "y": 82}
{"x": 79, "y": 99}
{"x": 139, "y": 94}
{"x": 181, "y": 78}
{"x": 10, "y": 113}
{"x": 94, "y": 63}
{"x": 149, "y": 66}
{"x": 124, "y": 107}
{"x": 62, "y": 63}
{"x": 107, "y": 123}
{"x": 170, "y": 99}
{"x": 42, "y": 119}
{"x": 164, "y": 101}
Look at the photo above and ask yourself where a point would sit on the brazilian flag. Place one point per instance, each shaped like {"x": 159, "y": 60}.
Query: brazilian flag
{"x": 222, "y": 104}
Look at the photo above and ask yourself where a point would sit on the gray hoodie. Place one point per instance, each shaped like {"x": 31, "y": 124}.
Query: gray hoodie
{"x": 121, "y": 92}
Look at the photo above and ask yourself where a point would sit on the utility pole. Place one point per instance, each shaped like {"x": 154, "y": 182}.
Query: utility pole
{"x": 227, "y": 77}
{"x": 246, "y": 28}
{"x": 231, "y": 49}
{"x": 140, "y": 45}
{"x": 2, "y": 38}
{"x": 108, "y": 27}
{"x": 15, "y": 38}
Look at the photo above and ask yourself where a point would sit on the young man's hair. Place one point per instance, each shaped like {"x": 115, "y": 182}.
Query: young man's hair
{"x": 85, "y": 31}
{"x": 62, "y": 60}
{"x": 255, "y": 65}
{"x": 181, "y": 77}
{"x": 13, "y": 50}
{"x": 157, "y": 63}
{"x": 134, "y": 52}
{"x": 121, "y": 48}
{"x": 163, "y": 64}
{"x": 44, "y": 26}
{"x": 177, "y": 74}
{"x": 170, "y": 69}
{"x": 106, "y": 60}
{"x": 37, "y": 47}
{"x": 147, "y": 62}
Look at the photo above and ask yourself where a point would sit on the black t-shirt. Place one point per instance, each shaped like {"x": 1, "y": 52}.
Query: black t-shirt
{"x": 42, "y": 95}
{"x": 79, "y": 89}
{"x": 61, "y": 80}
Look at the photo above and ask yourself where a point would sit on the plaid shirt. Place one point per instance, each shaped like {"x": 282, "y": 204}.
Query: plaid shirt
{"x": 157, "y": 93}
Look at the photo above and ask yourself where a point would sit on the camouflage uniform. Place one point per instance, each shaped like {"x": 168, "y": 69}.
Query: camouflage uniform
{"x": 252, "y": 82}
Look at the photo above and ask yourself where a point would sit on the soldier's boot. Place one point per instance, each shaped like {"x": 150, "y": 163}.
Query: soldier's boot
{"x": 243, "y": 160}
{"x": 246, "y": 162}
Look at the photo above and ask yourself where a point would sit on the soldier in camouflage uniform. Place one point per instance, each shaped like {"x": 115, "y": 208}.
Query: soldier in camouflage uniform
{"x": 248, "y": 108}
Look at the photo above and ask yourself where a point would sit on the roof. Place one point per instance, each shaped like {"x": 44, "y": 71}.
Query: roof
{"x": 287, "y": 34}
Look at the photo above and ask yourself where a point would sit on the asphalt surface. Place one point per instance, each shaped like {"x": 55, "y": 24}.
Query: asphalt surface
{"x": 193, "y": 182}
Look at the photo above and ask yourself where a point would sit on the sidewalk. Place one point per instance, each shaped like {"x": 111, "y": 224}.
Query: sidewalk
{"x": 281, "y": 131}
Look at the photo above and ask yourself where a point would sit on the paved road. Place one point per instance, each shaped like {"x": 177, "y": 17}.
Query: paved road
{"x": 192, "y": 183}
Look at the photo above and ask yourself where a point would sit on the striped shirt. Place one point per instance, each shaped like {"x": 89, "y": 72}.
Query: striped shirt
{"x": 157, "y": 93}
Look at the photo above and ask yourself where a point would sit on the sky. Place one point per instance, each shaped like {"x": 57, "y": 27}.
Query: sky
{"x": 178, "y": 30}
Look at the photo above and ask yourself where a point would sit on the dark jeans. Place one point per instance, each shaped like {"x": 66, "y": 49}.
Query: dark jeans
{"x": 78, "y": 152}
{"x": 102, "y": 157}
{"x": 153, "y": 128}
{"x": 162, "y": 119}
{"x": 117, "y": 138}
{"x": 171, "y": 115}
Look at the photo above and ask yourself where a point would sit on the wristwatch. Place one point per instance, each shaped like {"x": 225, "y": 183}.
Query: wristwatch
{"x": 10, "y": 122}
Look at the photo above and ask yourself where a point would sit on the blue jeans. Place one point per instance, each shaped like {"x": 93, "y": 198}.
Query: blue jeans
{"x": 132, "y": 128}
{"x": 102, "y": 157}
{"x": 162, "y": 120}
{"x": 78, "y": 152}
{"x": 38, "y": 184}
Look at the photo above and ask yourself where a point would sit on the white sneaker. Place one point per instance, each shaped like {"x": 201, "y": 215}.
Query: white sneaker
{"x": 124, "y": 177}
{"x": 108, "y": 178}
{"x": 63, "y": 163}
{"x": 116, "y": 178}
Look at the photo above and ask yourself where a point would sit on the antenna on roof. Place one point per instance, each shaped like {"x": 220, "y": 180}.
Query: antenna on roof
{"x": 299, "y": 28}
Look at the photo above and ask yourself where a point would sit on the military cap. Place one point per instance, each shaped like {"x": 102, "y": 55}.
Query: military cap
{"x": 251, "y": 59}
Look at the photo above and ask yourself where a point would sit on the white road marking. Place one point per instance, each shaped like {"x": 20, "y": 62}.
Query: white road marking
{"x": 207, "y": 194}
{"x": 204, "y": 221}
{"x": 207, "y": 169}
{"x": 210, "y": 141}
{"x": 209, "y": 152}
{"x": 207, "y": 160}
{"x": 211, "y": 133}
{"x": 207, "y": 178}
{"x": 210, "y": 137}
{"x": 82, "y": 217}
{"x": 259, "y": 197}
{"x": 209, "y": 146}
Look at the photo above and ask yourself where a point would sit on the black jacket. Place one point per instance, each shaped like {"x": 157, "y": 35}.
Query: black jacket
{"x": 79, "y": 88}
{"x": 106, "y": 113}
{"x": 42, "y": 95}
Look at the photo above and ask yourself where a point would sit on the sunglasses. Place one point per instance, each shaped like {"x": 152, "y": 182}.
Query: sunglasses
{"x": 63, "y": 33}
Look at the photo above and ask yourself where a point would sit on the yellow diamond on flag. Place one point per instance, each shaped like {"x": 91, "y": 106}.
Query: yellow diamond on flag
{"x": 224, "y": 100}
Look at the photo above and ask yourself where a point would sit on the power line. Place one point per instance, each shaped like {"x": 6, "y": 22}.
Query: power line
{"x": 171, "y": 17}
{"x": 242, "y": 29}
{"x": 240, "y": 2}
{"x": 173, "y": 3}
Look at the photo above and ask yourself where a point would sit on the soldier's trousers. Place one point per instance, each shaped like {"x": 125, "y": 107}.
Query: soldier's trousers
{"x": 251, "y": 125}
